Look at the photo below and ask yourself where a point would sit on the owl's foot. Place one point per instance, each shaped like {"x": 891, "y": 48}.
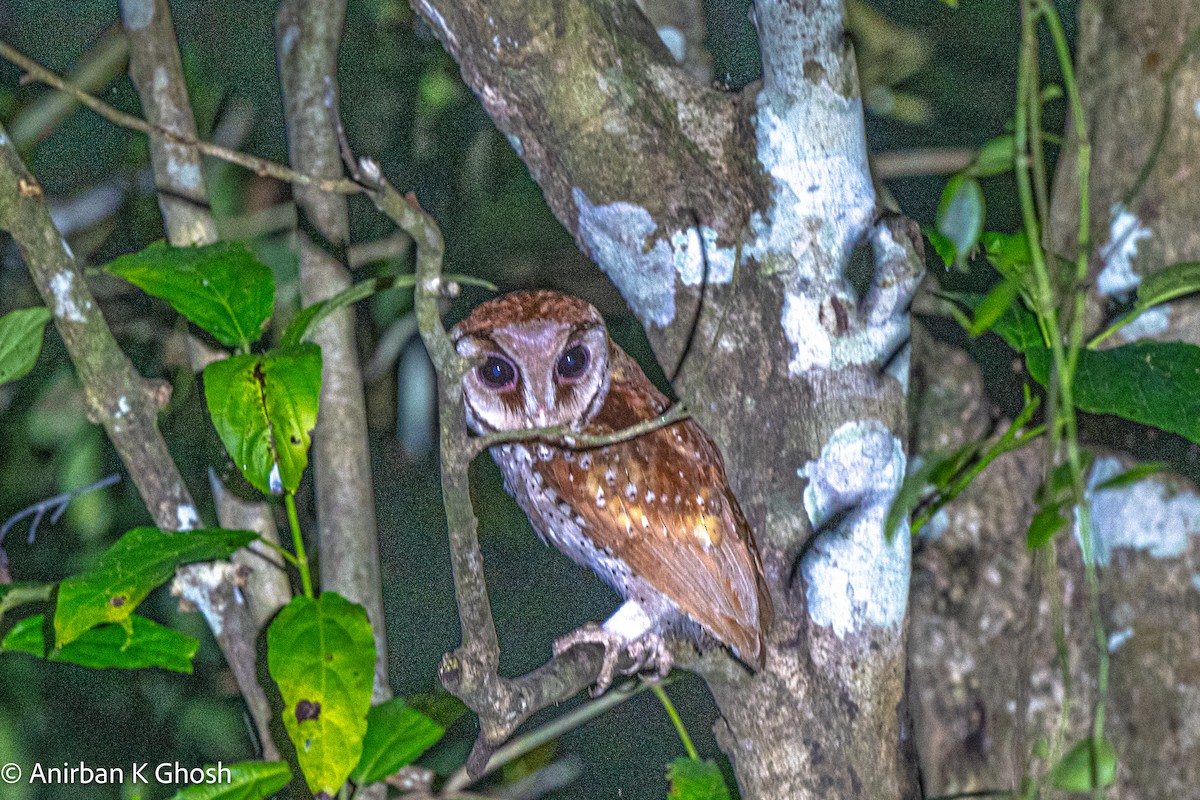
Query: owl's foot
{"x": 647, "y": 653}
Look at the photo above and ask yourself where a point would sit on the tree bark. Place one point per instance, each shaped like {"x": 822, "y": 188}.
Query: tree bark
{"x": 984, "y": 675}
{"x": 728, "y": 222}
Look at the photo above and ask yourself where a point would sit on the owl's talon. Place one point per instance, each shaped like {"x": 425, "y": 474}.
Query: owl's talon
{"x": 648, "y": 652}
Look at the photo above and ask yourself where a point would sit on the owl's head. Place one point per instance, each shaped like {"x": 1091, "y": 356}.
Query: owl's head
{"x": 541, "y": 359}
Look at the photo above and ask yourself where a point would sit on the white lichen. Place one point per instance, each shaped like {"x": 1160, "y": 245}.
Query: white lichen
{"x": 288, "y": 40}
{"x": 137, "y": 14}
{"x": 64, "y": 302}
{"x": 853, "y": 575}
{"x": 186, "y": 517}
{"x": 1118, "y": 638}
{"x": 1125, "y": 230}
{"x": 1148, "y": 515}
{"x": 275, "y": 480}
{"x": 675, "y": 41}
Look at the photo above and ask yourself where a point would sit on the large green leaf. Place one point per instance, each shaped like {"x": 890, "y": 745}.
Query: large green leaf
{"x": 1169, "y": 283}
{"x": 264, "y": 409}
{"x": 129, "y": 570}
{"x": 1154, "y": 383}
{"x": 692, "y": 779}
{"x": 221, "y": 287}
{"x": 397, "y": 734}
{"x": 321, "y": 653}
{"x": 249, "y": 780}
{"x": 21, "y": 341}
{"x": 1086, "y": 767}
{"x": 147, "y": 645}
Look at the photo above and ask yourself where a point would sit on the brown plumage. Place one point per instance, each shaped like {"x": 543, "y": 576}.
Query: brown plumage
{"x": 654, "y": 516}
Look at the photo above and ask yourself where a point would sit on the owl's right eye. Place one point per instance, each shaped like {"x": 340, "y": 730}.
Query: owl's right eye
{"x": 497, "y": 373}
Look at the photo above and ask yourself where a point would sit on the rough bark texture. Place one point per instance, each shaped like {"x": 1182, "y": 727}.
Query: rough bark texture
{"x": 982, "y": 635}
{"x": 308, "y": 33}
{"x": 728, "y": 223}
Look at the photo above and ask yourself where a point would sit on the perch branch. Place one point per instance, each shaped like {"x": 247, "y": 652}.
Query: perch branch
{"x": 471, "y": 671}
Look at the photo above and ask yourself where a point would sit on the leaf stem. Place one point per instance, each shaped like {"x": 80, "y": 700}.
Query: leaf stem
{"x": 301, "y": 559}
{"x": 676, "y": 720}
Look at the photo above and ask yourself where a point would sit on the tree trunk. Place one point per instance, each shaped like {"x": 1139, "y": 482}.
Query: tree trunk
{"x": 728, "y": 223}
{"x": 983, "y": 659}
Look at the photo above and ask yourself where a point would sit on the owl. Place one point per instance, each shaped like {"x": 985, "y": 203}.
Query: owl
{"x": 653, "y": 516}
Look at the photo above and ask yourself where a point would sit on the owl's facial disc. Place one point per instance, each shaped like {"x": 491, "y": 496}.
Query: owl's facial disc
{"x": 535, "y": 374}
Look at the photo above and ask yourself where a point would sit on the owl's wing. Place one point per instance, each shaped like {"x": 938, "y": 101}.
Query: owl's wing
{"x": 661, "y": 503}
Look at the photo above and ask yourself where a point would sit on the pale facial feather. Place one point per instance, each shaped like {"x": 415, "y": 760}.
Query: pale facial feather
{"x": 540, "y": 398}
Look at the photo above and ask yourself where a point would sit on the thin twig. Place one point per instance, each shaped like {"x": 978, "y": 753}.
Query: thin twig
{"x": 260, "y": 166}
{"x": 568, "y": 437}
{"x": 56, "y": 504}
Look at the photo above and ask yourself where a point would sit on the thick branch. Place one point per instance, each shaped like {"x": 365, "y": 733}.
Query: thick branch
{"x": 308, "y": 34}
{"x": 157, "y": 72}
{"x": 117, "y": 397}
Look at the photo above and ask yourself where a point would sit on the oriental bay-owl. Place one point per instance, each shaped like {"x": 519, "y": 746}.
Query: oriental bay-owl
{"x": 653, "y": 515}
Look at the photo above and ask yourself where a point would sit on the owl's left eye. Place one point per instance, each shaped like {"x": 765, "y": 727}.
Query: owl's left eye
{"x": 572, "y": 362}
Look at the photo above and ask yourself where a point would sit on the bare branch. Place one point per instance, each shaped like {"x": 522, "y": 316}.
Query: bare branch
{"x": 260, "y": 166}
{"x": 568, "y": 437}
{"x": 308, "y": 34}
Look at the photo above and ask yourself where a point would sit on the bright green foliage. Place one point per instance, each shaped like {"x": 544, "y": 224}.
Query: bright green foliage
{"x": 221, "y": 287}
{"x": 21, "y": 341}
{"x": 322, "y": 655}
{"x": 994, "y": 158}
{"x": 18, "y": 594}
{"x": 1134, "y": 474}
{"x": 1046, "y": 522}
{"x": 147, "y": 644}
{"x": 693, "y": 779}
{"x": 1153, "y": 383}
{"x": 1167, "y": 284}
{"x": 993, "y": 307}
{"x": 140, "y": 560}
{"x": 1085, "y": 767}
{"x": 960, "y": 215}
{"x": 397, "y": 735}
{"x": 249, "y": 780}
{"x": 264, "y": 409}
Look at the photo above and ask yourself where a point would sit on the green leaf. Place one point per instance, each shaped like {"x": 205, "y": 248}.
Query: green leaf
{"x": 1168, "y": 283}
{"x": 960, "y": 213}
{"x": 18, "y": 594}
{"x": 129, "y": 570}
{"x": 397, "y": 735}
{"x": 21, "y": 341}
{"x": 1046, "y": 522}
{"x": 994, "y": 158}
{"x": 249, "y": 780}
{"x": 1009, "y": 254}
{"x": 1016, "y": 325}
{"x": 942, "y": 245}
{"x": 934, "y": 469}
{"x": 1085, "y": 767}
{"x": 993, "y": 306}
{"x": 149, "y": 645}
{"x": 1134, "y": 474}
{"x": 692, "y": 779}
{"x": 1154, "y": 383}
{"x": 322, "y": 654}
{"x": 264, "y": 409}
{"x": 221, "y": 287}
